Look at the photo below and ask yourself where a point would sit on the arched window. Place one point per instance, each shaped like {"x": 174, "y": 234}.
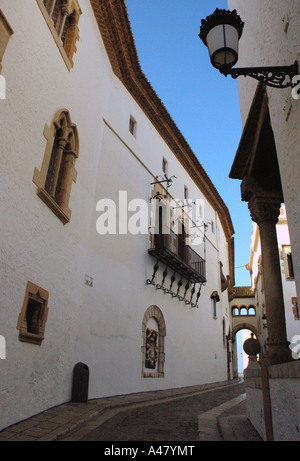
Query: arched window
{"x": 235, "y": 311}
{"x": 153, "y": 332}
{"x": 243, "y": 310}
{"x": 62, "y": 17}
{"x": 55, "y": 178}
{"x": 251, "y": 310}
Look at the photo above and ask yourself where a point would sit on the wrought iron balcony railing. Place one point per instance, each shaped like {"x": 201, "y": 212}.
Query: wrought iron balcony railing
{"x": 171, "y": 249}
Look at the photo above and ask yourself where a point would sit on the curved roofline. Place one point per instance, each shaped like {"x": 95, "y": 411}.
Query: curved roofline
{"x": 115, "y": 29}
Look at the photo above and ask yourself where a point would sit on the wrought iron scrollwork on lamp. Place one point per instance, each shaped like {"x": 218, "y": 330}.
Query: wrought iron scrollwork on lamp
{"x": 221, "y": 32}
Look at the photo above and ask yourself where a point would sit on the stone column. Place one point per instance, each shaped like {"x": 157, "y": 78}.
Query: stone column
{"x": 264, "y": 207}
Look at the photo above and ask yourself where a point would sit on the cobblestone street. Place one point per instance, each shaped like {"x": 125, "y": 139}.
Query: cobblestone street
{"x": 174, "y": 419}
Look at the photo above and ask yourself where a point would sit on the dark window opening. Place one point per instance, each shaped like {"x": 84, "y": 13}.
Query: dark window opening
{"x": 290, "y": 264}
{"x": 33, "y": 315}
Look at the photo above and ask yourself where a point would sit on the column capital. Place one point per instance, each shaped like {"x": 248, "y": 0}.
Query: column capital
{"x": 263, "y": 210}
{"x": 264, "y": 205}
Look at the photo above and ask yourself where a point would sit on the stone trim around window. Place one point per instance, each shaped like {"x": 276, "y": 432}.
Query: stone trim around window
{"x": 33, "y": 316}
{"x": 5, "y": 33}
{"x": 295, "y": 308}
{"x": 287, "y": 268}
{"x": 153, "y": 349}
{"x": 66, "y": 32}
{"x": 63, "y": 136}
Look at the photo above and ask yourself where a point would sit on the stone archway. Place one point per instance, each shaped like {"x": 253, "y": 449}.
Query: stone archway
{"x": 243, "y": 326}
{"x": 235, "y": 330}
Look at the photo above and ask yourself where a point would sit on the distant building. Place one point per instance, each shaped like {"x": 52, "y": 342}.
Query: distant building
{"x": 248, "y": 303}
{"x": 287, "y": 276}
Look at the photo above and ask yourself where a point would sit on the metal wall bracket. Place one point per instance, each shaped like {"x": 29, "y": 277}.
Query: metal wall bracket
{"x": 187, "y": 298}
{"x": 275, "y": 77}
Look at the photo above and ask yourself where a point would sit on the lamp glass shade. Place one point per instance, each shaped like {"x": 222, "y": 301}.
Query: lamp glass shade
{"x": 223, "y": 42}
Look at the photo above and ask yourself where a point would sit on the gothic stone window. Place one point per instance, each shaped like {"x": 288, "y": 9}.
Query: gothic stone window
{"x": 154, "y": 332}
{"x": 62, "y": 17}
{"x": 33, "y": 316}
{"x": 54, "y": 180}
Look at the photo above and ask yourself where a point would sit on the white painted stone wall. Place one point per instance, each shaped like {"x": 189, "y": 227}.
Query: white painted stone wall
{"x": 100, "y": 325}
{"x": 285, "y": 395}
{"x": 266, "y": 43}
{"x": 255, "y": 410}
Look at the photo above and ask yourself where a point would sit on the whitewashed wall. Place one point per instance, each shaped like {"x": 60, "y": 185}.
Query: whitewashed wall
{"x": 100, "y": 325}
{"x": 265, "y": 43}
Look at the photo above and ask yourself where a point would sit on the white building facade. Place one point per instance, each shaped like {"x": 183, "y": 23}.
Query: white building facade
{"x": 86, "y": 147}
{"x": 267, "y": 162}
{"x": 271, "y": 37}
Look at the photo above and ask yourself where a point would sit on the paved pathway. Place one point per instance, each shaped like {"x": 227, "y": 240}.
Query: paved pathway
{"x": 193, "y": 413}
{"x": 170, "y": 419}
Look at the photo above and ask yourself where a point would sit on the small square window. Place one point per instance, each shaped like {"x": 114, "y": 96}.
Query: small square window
{"x": 165, "y": 166}
{"x": 132, "y": 126}
{"x": 33, "y": 316}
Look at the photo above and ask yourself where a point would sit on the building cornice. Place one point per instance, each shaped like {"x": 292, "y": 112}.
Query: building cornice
{"x": 115, "y": 29}
{"x": 250, "y": 135}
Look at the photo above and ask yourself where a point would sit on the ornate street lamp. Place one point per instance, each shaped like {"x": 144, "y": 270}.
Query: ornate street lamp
{"x": 221, "y": 32}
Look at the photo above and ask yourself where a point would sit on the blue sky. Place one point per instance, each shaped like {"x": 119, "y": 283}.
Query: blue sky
{"x": 203, "y": 103}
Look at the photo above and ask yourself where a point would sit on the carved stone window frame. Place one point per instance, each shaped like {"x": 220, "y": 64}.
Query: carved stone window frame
{"x": 5, "y": 34}
{"x": 295, "y": 308}
{"x": 39, "y": 296}
{"x": 70, "y": 141}
{"x": 155, "y": 313}
{"x": 68, "y": 48}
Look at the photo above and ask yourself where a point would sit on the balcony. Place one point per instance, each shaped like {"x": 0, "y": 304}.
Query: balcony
{"x": 171, "y": 249}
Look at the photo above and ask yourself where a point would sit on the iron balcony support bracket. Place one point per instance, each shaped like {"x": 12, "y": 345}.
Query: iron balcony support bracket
{"x": 161, "y": 286}
{"x": 155, "y": 269}
{"x": 173, "y": 278}
{"x": 275, "y": 77}
{"x": 176, "y": 293}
